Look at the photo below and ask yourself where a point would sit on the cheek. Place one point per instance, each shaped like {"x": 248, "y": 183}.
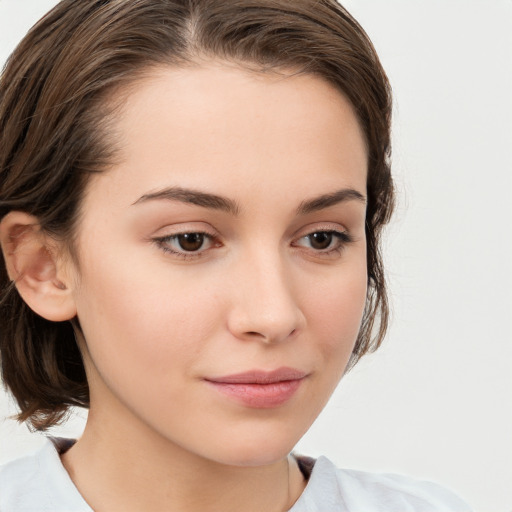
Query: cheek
{"x": 335, "y": 309}
{"x": 144, "y": 341}
{"x": 137, "y": 324}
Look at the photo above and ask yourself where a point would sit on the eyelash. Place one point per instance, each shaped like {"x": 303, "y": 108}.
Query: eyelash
{"x": 163, "y": 243}
{"x": 343, "y": 238}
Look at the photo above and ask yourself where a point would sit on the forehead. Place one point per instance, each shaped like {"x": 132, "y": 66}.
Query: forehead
{"x": 217, "y": 124}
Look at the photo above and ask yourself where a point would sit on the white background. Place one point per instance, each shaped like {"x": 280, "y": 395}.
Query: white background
{"x": 435, "y": 401}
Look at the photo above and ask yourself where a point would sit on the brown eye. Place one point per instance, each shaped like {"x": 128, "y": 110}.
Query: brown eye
{"x": 324, "y": 243}
{"x": 187, "y": 245}
{"x": 190, "y": 242}
{"x": 321, "y": 240}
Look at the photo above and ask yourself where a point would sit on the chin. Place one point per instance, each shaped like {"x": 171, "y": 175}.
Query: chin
{"x": 252, "y": 457}
{"x": 254, "y": 447}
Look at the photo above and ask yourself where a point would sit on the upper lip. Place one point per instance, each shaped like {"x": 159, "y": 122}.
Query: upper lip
{"x": 260, "y": 376}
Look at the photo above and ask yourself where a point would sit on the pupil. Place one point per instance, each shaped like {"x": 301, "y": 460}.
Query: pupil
{"x": 320, "y": 240}
{"x": 191, "y": 241}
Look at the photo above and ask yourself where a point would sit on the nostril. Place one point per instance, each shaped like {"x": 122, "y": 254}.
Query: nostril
{"x": 268, "y": 338}
{"x": 254, "y": 333}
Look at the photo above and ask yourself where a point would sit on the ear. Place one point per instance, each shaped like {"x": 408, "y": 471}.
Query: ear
{"x": 35, "y": 265}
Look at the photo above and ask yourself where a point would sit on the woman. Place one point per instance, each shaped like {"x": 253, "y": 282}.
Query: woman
{"x": 194, "y": 191}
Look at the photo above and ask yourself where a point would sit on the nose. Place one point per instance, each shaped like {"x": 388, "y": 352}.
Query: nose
{"x": 265, "y": 305}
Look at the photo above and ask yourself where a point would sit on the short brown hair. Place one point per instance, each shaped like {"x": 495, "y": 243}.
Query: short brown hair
{"x": 54, "y": 134}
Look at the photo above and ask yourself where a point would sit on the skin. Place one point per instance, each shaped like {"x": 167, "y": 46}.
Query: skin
{"x": 259, "y": 294}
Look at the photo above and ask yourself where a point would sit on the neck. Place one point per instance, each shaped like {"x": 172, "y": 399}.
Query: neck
{"x": 127, "y": 466}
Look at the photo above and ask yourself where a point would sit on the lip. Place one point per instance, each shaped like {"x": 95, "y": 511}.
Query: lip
{"x": 260, "y": 389}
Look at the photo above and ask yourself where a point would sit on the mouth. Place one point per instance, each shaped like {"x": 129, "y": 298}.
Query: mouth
{"x": 258, "y": 388}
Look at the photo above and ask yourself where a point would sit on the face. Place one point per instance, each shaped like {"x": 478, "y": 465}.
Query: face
{"x": 222, "y": 261}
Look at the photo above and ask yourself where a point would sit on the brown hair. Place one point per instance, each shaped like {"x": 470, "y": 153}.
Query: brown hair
{"x": 54, "y": 133}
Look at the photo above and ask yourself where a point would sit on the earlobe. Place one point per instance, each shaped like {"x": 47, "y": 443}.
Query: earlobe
{"x": 32, "y": 261}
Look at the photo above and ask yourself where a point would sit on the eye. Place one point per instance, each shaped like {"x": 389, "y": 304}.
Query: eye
{"x": 186, "y": 244}
{"x": 324, "y": 241}
{"x": 321, "y": 240}
{"x": 190, "y": 242}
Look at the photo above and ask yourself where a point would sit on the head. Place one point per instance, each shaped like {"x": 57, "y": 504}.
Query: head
{"x": 67, "y": 97}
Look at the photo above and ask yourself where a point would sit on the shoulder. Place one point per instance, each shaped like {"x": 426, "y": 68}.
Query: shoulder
{"x": 330, "y": 488}
{"x": 39, "y": 483}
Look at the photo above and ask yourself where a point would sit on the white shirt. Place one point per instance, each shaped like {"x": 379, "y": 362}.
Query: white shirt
{"x": 39, "y": 483}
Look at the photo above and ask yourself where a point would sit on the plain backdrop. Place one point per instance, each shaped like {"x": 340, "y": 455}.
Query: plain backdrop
{"x": 435, "y": 400}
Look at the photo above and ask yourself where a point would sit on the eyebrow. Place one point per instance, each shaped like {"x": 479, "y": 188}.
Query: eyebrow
{"x": 215, "y": 202}
{"x": 331, "y": 199}
{"x": 196, "y": 197}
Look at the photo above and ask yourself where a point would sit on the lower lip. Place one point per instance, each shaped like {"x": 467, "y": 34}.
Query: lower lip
{"x": 259, "y": 396}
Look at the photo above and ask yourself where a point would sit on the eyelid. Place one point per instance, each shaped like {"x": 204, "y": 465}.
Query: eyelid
{"x": 342, "y": 235}
{"x": 319, "y": 227}
{"x": 181, "y": 228}
{"x": 163, "y": 243}
{"x": 173, "y": 232}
